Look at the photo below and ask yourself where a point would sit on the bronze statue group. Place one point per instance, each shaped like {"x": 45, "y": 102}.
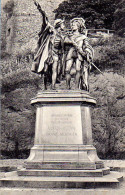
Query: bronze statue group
{"x": 51, "y": 59}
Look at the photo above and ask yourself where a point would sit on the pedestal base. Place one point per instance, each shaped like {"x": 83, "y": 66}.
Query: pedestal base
{"x": 63, "y": 157}
{"x": 63, "y": 133}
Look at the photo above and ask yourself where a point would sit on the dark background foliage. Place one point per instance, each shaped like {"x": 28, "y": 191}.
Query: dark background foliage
{"x": 107, "y": 14}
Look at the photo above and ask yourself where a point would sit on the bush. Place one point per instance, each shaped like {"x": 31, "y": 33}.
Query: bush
{"x": 111, "y": 54}
{"x": 108, "y": 118}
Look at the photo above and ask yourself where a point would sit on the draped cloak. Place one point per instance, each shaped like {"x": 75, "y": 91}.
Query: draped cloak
{"x": 43, "y": 45}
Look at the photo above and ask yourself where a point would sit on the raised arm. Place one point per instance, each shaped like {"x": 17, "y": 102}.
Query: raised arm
{"x": 45, "y": 19}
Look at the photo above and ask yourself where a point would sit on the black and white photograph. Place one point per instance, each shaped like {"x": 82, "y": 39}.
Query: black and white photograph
{"x": 62, "y": 97}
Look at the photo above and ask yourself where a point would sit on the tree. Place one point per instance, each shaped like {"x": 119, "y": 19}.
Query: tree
{"x": 97, "y": 13}
{"x": 108, "y": 121}
{"x": 119, "y": 18}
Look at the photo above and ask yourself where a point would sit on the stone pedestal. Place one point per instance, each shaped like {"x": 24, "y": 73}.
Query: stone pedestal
{"x": 63, "y": 155}
{"x": 63, "y": 132}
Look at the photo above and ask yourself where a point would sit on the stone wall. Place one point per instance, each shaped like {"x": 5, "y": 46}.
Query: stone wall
{"x": 25, "y": 22}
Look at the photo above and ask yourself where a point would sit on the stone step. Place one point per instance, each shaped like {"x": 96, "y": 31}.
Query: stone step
{"x": 7, "y": 168}
{"x": 40, "y": 191}
{"x": 61, "y": 182}
{"x": 64, "y": 173}
{"x": 64, "y": 165}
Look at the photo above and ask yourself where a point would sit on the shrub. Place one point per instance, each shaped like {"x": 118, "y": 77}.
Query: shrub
{"x": 111, "y": 54}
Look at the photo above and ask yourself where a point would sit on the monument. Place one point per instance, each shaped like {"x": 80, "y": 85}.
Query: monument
{"x": 63, "y": 134}
{"x": 63, "y": 154}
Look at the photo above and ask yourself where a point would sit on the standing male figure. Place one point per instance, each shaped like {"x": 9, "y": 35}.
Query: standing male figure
{"x": 80, "y": 53}
{"x": 57, "y": 50}
{"x": 50, "y": 46}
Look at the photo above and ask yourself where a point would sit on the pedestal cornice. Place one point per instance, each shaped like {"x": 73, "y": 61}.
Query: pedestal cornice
{"x": 63, "y": 96}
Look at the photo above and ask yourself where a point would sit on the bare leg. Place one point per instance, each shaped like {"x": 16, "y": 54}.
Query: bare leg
{"x": 86, "y": 80}
{"x": 59, "y": 67}
{"x": 45, "y": 81}
{"x": 77, "y": 79}
{"x": 59, "y": 71}
{"x": 45, "y": 76}
{"x": 54, "y": 74}
{"x": 78, "y": 66}
{"x": 86, "y": 77}
{"x": 68, "y": 79}
{"x": 63, "y": 65}
{"x": 68, "y": 76}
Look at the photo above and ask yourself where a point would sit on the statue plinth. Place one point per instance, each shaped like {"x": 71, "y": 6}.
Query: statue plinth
{"x": 63, "y": 155}
{"x": 63, "y": 132}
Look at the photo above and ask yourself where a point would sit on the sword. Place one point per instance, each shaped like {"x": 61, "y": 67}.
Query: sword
{"x": 91, "y": 63}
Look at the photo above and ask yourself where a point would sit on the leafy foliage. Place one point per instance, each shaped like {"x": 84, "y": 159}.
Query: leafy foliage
{"x": 110, "y": 54}
{"x": 97, "y": 13}
{"x": 109, "y": 116}
{"x": 119, "y": 18}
